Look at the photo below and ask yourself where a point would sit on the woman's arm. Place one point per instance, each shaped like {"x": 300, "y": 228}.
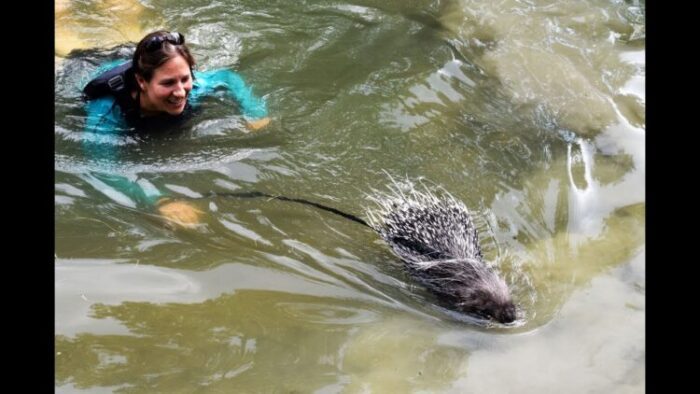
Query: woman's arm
{"x": 101, "y": 141}
{"x": 253, "y": 108}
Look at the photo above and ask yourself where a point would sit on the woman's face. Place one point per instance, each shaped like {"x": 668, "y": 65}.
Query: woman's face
{"x": 168, "y": 89}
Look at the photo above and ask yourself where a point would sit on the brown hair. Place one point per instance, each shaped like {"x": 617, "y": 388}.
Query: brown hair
{"x": 146, "y": 60}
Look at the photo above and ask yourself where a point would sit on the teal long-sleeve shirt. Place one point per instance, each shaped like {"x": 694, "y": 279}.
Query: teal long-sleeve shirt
{"x": 106, "y": 122}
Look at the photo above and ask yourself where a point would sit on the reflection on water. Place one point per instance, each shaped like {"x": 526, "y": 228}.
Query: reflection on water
{"x": 532, "y": 113}
{"x": 83, "y": 24}
{"x": 564, "y": 56}
{"x": 279, "y": 333}
{"x": 582, "y": 347}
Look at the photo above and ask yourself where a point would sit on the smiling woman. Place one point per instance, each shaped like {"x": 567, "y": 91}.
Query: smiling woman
{"x": 165, "y": 85}
{"x": 159, "y": 85}
{"x": 159, "y": 88}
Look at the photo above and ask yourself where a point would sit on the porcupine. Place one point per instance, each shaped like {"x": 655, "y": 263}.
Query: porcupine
{"x": 438, "y": 243}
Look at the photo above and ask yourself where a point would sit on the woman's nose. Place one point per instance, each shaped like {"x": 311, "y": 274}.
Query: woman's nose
{"x": 179, "y": 91}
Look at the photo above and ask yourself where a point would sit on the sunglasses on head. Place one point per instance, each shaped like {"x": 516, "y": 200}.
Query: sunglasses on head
{"x": 156, "y": 42}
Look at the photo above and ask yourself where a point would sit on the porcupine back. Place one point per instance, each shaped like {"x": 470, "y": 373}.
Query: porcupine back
{"x": 439, "y": 245}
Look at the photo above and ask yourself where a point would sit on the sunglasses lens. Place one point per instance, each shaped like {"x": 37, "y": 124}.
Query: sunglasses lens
{"x": 176, "y": 38}
{"x": 155, "y": 42}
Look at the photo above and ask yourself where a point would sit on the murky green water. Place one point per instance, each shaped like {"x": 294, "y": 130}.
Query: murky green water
{"x": 531, "y": 112}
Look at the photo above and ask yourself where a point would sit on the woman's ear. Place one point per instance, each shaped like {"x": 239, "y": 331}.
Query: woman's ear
{"x": 141, "y": 82}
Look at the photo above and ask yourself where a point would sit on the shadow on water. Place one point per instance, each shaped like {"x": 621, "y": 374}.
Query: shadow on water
{"x": 252, "y": 341}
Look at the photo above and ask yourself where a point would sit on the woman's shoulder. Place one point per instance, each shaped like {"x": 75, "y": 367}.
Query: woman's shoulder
{"x": 110, "y": 78}
{"x": 216, "y": 78}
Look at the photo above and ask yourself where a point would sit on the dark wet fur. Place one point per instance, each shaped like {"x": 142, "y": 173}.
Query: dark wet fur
{"x": 439, "y": 245}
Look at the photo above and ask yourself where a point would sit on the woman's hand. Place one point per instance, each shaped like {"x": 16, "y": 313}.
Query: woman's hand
{"x": 258, "y": 124}
{"x": 179, "y": 212}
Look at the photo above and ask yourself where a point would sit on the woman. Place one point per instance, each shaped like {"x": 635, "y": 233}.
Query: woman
{"x": 158, "y": 88}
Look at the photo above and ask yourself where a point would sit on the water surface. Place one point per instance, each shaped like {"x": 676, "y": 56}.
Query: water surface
{"x": 531, "y": 112}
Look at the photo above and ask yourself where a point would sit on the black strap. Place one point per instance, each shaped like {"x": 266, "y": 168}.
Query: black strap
{"x": 113, "y": 81}
{"x": 256, "y": 194}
